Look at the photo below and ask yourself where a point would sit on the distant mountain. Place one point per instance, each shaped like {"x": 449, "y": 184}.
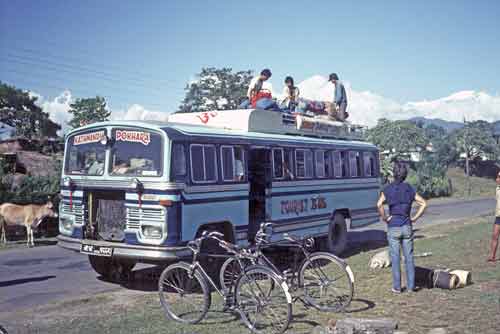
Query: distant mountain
{"x": 447, "y": 125}
{"x": 366, "y": 107}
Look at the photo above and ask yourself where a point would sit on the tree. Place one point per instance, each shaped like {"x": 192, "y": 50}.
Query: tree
{"x": 475, "y": 140}
{"x": 216, "y": 89}
{"x": 398, "y": 139}
{"x": 18, "y": 109}
{"x": 88, "y": 111}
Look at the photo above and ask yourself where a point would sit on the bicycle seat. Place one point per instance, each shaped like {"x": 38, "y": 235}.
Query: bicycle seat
{"x": 194, "y": 244}
{"x": 230, "y": 247}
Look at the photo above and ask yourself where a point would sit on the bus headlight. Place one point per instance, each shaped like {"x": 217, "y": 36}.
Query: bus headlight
{"x": 67, "y": 182}
{"x": 152, "y": 231}
{"x": 65, "y": 223}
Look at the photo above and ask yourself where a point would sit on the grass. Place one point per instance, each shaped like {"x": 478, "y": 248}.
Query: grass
{"x": 480, "y": 186}
{"x": 457, "y": 245}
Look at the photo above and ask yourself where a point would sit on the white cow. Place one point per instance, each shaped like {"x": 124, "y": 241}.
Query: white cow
{"x": 29, "y": 216}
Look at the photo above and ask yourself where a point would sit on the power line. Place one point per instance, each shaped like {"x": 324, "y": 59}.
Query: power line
{"x": 59, "y": 67}
{"x": 114, "y": 84}
{"x": 29, "y": 79}
{"x": 109, "y": 67}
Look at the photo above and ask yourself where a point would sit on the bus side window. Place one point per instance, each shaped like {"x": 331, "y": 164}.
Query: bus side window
{"x": 337, "y": 164}
{"x": 321, "y": 164}
{"x": 178, "y": 161}
{"x": 239, "y": 169}
{"x": 344, "y": 155}
{"x": 355, "y": 163}
{"x": 288, "y": 164}
{"x": 203, "y": 163}
{"x": 369, "y": 164}
{"x": 328, "y": 164}
{"x": 304, "y": 163}
{"x": 233, "y": 166}
{"x": 278, "y": 163}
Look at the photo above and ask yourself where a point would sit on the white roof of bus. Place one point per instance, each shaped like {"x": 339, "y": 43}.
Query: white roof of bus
{"x": 197, "y": 130}
{"x": 217, "y": 132}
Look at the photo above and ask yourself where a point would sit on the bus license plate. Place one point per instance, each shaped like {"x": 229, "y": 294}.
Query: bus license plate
{"x": 96, "y": 250}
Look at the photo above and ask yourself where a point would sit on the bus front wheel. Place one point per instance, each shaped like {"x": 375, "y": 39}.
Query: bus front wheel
{"x": 110, "y": 269}
{"x": 337, "y": 235}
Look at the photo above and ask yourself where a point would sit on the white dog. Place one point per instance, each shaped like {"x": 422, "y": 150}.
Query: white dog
{"x": 380, "y": 260}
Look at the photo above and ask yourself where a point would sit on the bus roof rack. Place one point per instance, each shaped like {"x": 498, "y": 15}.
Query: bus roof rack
{"x": 266, "y": 121}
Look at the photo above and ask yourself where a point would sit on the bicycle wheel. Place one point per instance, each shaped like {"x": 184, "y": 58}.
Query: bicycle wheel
{"x": 184, "y": 297}
{"x": 327, "y": 282}
{"x": 230, "y": 271}
{"x": 263, "y": 300}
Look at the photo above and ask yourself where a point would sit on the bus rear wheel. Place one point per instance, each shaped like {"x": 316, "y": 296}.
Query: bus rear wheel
{"x": 336, "y": 241}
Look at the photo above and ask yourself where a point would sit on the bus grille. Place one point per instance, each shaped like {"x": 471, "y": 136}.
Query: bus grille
{"x": 136, "y": 215}
{"x": 76, "y": 209}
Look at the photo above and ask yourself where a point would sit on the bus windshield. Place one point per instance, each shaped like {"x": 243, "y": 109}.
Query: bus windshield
{"x": 85, "y": 154}
{"x": 136, "y": 153}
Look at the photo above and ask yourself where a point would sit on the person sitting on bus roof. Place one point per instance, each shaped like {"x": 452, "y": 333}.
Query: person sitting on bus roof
{"x": 254, "y": 88}
{"x": 257, "y": 83}
{"x": 290, "y": 95}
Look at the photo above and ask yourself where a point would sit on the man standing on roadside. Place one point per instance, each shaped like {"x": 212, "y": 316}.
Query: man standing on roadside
{"x": 496, "y": 224}
{"x": 399, "y": 196}
{"x": 340, "y": 99}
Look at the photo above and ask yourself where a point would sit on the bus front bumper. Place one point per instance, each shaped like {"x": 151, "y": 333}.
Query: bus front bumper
{"x": 138, "y": 253}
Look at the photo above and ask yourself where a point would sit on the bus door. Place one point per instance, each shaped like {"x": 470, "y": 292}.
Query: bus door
{"x": 260, "y": 178}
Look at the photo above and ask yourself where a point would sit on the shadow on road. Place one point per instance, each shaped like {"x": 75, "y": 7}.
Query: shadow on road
{"x": 25, "y": 280}
{"x": 145, "y": 279}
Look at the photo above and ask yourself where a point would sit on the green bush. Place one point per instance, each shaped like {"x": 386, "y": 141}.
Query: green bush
{"x": 30, "y": 190}
{"x": 429, "y": 178}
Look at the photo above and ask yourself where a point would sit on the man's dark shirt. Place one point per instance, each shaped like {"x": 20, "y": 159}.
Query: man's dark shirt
{"x": 399, "y": 197}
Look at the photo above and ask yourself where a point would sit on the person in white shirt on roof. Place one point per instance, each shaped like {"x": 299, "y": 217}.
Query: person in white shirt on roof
{"x": 290, "y": 94}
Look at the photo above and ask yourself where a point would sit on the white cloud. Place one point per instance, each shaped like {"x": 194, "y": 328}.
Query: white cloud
{"x": 137, "y": 112}
{"x": 56, "y": 108}
{"x": 366, "y": 107}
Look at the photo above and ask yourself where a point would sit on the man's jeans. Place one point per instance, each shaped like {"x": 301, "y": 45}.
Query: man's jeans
{"x": 397, "y": 236}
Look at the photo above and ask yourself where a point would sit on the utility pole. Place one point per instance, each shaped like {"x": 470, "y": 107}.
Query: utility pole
{"x": 467, "y": 163}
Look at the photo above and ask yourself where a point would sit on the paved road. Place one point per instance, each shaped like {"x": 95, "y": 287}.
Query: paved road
{"x": 31, "y": 277}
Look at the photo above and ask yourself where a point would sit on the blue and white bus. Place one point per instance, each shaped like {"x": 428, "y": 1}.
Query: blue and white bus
{"x": 137, "y": 191}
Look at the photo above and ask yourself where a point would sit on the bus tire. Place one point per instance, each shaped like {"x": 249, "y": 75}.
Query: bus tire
{"x": 337, "y": 234}
{"x": 111, "y": 269}
{"x": 212, "y": 264}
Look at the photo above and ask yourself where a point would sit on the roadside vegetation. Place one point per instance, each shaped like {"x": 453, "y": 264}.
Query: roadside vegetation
{"x": 457, "y": 245}
{"x": 480, "y": 186}
{"x": 435, "y": 156}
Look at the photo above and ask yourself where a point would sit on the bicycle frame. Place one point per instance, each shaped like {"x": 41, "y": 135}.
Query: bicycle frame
{"x": 195, "y": 265}
{"x": 282, "y": 274}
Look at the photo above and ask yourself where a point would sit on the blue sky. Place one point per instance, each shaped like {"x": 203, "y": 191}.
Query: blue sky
{"x": 145, "y": 51}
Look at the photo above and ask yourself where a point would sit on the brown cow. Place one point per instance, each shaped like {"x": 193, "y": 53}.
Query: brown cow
{"x": 30, "y": 216}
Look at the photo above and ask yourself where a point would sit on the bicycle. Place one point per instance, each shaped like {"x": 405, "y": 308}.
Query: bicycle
{"x": 326, "y": 280}
{"x": 260, "y": 297}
